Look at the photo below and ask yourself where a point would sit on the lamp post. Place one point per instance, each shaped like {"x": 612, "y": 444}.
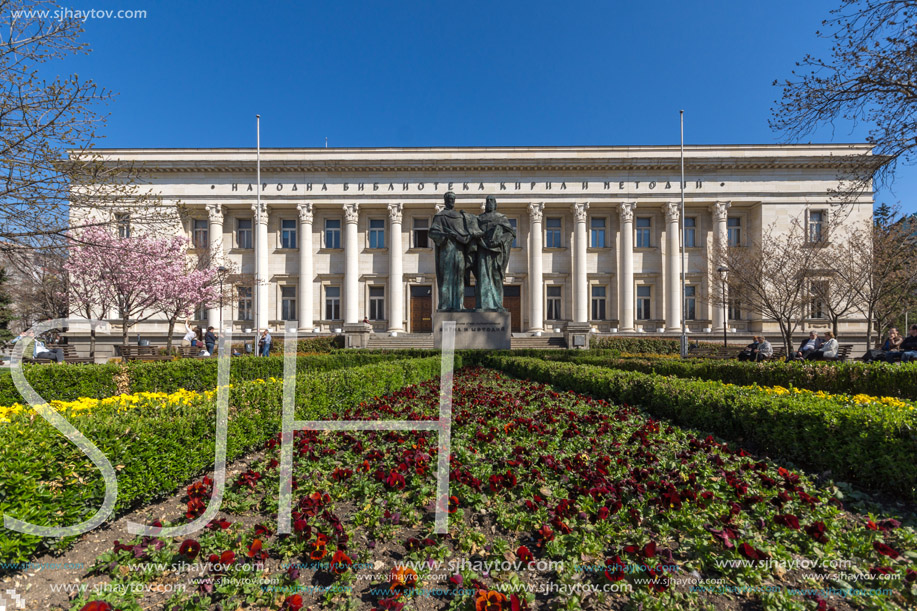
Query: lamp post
{"x": 222, "y": 272}
{"x": 724, "y": 271}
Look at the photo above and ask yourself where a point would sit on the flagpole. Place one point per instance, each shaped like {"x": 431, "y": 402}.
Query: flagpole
{"x": 681, "y": 216}
{"x": 258, "y": 279}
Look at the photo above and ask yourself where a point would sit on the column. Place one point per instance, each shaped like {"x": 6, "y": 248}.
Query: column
{"x": 536, "y": 286}
{"x": 626, "y": 268}
{"x": 395, "y": 271}
{"x": 259, "y": 211}
{"x": 351, "y": 264}
{"x": 304, "y": 298}
{"x": 720, "y": 214}
{"x": 580, "y": 278}
{"x": 673, "y": 291}
{"x": 215, "y": 235}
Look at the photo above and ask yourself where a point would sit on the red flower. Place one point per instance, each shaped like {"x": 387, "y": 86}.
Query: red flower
{"x": 255, "y": 548}
{"x": 617, "y": 574}
{"x": 885, "y": 550}
{"x": 401, "y": 579}
{"x": 816, "y": 530}
{"x": 293, "y": 603}
{"x": 649, "y": 550}
{"x": 189, "y": 549}
{"x": 317, "y": 549}
{"x": 453, "y": 504}
{"x": 97, "y": 605}
{"x": 788, "y": 520}
{"x": 524, "y": 554}
{"x": 545, "y": 534}
{"x": 603, "y": 513}
{"x": 340, "y": 562}
{"x": 751, "y": 553}
{"x": 227, "y": 557}
{"x": 517, "y": 604}
{"x": 489, "y": 601}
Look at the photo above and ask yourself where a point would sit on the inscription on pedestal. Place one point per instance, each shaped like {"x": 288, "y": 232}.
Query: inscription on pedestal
{"x": 475, "y": 330}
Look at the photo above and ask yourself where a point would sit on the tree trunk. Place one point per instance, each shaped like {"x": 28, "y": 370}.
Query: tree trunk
{"x": 834, "y": 324}
{"x": 92, "y": 342}
{"x": 124, "y": 331}
{"x": 171, "y": 331}
{"x": 869, "y": 327}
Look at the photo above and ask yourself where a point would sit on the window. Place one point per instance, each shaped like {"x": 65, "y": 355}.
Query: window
{"x": 287, "y": 236}
{"x": 554, "y": 302}
{"x": 816, "y": 226}
{"x": 377, "y": 233}
{"x": 598, "y": 303}
{"x": 333, "y": 302}
{"x": 818, "y": 290}
{"x": 643, "y": 227}
{"x": 690, "y": 232}
{"x": 598, "y": 233}
{"x": 552, "y": 233}
{"x": 243, "y": 233}
{"x": 200, "y": 313}
{"x": 123, "y": 221}
{"x": 245, "y": 302}
{"x": 515, "y": 225}
{"x": 377, "y": 303}
{"x": 332, "y": 234}
{"x": 734, "y": 231}
{"x": 288, "y": 303}
{"x": 421, "y": 233}
{"x": 199, "y": 233}
{"x": 643, "y": 302}
{"x": 734, "y": 310}
{"x": 690, "y": 302}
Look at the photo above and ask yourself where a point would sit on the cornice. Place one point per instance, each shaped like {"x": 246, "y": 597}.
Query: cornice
{"x": 488, "y": 160}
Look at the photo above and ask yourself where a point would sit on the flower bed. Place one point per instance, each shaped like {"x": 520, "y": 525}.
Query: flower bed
{"x": 45, "y": 479}
{"x": 879, "y": 379}
{"x": 558, "y": 501}
{"x": 874, "y": 446}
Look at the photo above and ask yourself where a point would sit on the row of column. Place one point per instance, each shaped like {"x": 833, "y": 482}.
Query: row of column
{"x": 395, "y": 290}
{"x": 304, "y": 302}
{"x": 626, "y": 299}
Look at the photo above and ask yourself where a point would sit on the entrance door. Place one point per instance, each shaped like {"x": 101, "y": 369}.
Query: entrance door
{"x": 512, "y": 301}
{"x": 422, "y": 308}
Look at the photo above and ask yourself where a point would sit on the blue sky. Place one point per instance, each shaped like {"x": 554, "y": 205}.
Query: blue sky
{"x": 431, "y": 73}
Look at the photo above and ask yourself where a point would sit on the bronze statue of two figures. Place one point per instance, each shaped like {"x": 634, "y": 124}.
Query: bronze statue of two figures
{"x": 467, "y": 244}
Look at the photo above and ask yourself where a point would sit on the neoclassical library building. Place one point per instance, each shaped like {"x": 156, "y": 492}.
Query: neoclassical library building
{"x": 340, "y": 235}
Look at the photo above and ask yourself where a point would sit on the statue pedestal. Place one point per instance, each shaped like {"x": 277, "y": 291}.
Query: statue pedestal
{"x": 475, "y": 330}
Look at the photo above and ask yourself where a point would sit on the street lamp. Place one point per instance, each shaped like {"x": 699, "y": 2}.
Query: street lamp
{"x": 724, "y": 271}
{"x": 221, "y": 270}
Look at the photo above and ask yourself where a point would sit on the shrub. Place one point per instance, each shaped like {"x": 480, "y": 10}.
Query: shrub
{"x": 873, "y": 446}
{"x": 64, "y": 382}
{"x": 47, "y": 480}
{"x": 881, "y": 379}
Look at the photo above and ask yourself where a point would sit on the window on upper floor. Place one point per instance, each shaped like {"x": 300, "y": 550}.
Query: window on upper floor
{"x": 597, "y": 235}
{"x": 643, "y": 226}
{"x": 332, "y": 233}
{"x": 552, "y": 228}
{"x": 288, "y": 235}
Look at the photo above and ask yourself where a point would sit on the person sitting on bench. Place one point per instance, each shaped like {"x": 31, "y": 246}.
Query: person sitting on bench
{"x": 807, "y": 346}
{"x": 828, "y": 349}
{"x": 39, "y": 350}
{"x": 750, "y": 351}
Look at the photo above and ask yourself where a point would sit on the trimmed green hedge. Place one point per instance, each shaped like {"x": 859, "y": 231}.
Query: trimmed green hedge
{"x": 71, "y": 382}
{"x": 45, "y": 479}
{"x": 874, "y": 447}
{"x": 201, "y": 374}
{"x": 646, "y": 345}
{"x": 877, "y": 379}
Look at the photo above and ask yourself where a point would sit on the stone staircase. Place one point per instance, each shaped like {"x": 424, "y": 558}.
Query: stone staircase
{"x": 383, "y": 341}
{"x": 545, "y": 342}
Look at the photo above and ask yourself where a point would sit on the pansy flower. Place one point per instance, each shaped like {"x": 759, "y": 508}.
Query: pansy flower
{"x": 489, "y": 600}
{"x": 189, "y": 549}
{"x": 401, "y": 579}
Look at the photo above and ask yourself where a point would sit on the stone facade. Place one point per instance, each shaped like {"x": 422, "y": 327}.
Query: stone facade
{"x": 340, "y": 234}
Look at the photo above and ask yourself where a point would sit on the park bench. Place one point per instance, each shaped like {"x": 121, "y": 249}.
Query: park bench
{"x": 843, "y": 353}
{"x": 142, "y": 353}
{"x": 70, "y": 356}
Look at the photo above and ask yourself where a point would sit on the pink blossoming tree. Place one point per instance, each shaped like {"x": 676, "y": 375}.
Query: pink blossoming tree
{"x": 137, "y": 277}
